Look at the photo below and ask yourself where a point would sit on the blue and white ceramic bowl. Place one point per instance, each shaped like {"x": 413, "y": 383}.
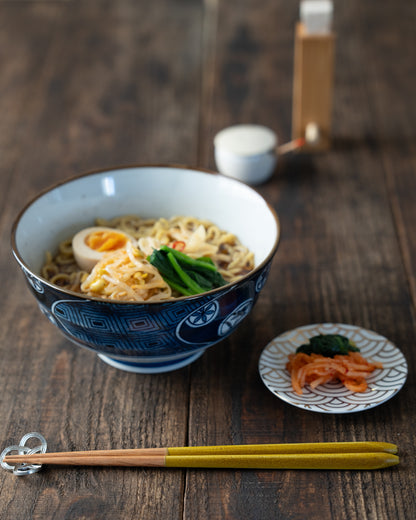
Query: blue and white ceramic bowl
{"x": 146, "y": 337}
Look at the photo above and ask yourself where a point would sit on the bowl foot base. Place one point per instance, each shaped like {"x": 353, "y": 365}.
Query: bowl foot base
{"x": 149, "y": 367}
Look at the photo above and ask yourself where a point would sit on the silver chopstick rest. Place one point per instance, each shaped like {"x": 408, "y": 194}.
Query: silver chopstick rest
{"x": 24, "y": 469}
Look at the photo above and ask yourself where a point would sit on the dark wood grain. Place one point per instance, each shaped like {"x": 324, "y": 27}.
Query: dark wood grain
{"x": 340, "y": 260}
{"x": 87, "y": 85}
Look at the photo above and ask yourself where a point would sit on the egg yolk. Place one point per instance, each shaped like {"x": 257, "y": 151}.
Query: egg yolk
{"x": 103, "y": 241}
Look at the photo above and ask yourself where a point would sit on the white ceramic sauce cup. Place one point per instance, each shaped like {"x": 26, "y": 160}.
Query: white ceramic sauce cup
{"x": 246, "y": 152}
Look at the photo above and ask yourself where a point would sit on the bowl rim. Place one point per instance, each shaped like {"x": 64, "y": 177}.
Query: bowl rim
{"x": 172, "y": 166}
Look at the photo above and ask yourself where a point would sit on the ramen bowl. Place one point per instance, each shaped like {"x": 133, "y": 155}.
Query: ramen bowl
{"x": 146, "y": 337}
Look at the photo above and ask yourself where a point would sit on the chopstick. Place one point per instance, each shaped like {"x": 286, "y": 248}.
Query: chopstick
{"x": 337, "y": 455}
{"x": 376, "y": 460}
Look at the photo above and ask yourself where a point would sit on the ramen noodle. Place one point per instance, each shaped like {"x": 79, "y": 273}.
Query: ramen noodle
{"x": 126, "y": 274}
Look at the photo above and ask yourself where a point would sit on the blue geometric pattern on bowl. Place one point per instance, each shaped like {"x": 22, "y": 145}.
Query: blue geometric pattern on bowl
{"x": 155, "y": 330}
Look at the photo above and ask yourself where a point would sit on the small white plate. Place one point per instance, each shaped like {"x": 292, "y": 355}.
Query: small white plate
{"x": 383, "y": 384}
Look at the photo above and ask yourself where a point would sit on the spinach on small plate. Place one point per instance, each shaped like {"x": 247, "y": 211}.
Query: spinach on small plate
{"x": 328, "y": 345}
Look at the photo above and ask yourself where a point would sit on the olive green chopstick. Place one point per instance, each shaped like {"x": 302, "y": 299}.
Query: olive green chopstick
{"x": 331, "y": 455}
{"x": 357, "y": 461}
{"x": 288, "y": 448}
{"x": 236, "y": 449}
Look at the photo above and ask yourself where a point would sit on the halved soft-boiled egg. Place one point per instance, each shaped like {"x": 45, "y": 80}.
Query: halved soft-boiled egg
{"x": 90, "y": 244}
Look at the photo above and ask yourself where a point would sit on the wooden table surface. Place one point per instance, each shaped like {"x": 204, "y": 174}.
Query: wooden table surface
{"x": 94, "y": 84}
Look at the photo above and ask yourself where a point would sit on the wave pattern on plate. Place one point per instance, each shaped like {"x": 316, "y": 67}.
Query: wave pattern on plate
{"x": 333, "y": 397}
